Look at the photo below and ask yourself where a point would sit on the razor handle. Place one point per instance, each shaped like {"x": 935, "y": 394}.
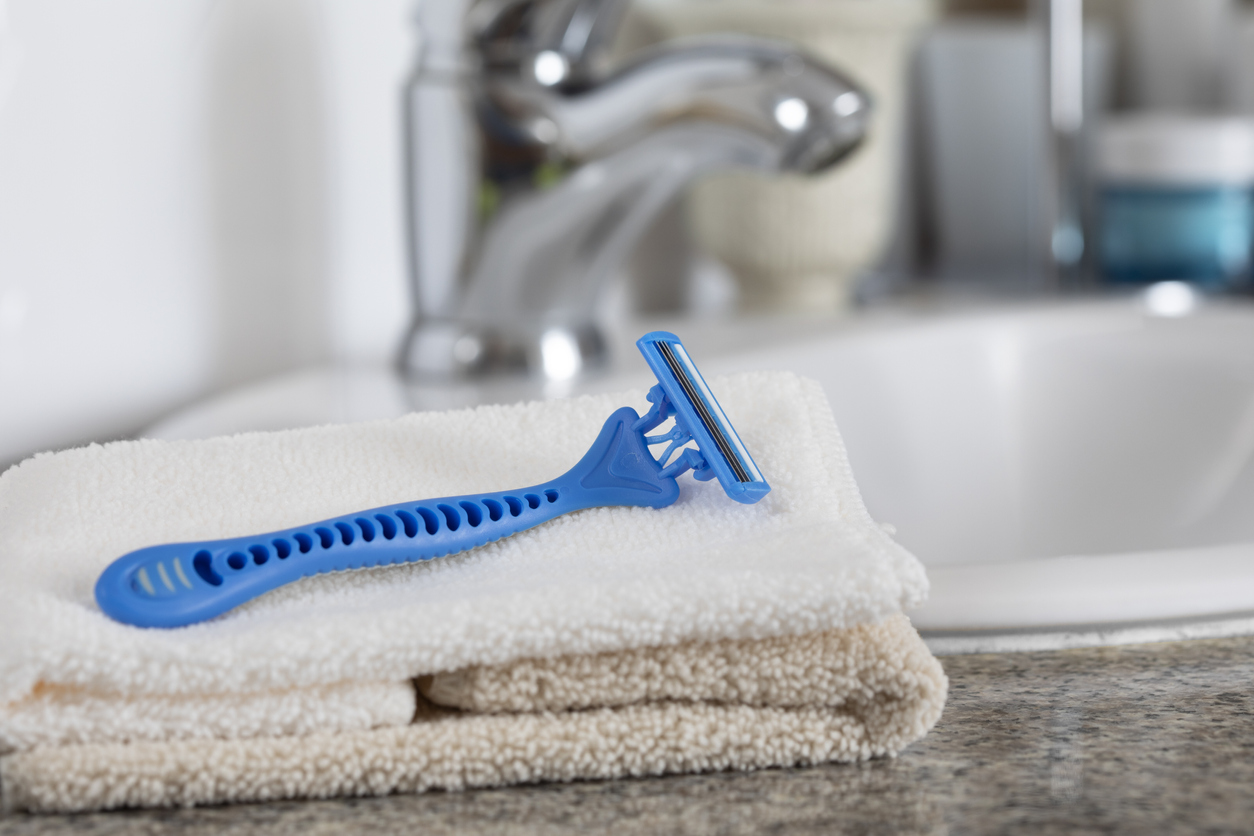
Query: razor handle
{"x": 178, "y": 584}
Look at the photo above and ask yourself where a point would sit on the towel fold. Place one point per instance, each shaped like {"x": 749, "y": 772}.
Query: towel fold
{"x": 58, "y": 715}
{"x": 839, "y": 695}
{"x": 616, "y": 641}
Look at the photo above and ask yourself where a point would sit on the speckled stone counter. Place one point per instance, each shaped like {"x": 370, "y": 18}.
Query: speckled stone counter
{"x": 1142, "y": 739}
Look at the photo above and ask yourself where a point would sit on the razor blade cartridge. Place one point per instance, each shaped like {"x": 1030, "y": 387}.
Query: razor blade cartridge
{"x": 682, "y": 393}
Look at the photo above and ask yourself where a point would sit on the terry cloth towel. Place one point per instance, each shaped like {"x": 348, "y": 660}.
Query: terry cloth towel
{"x": 610, "y": 642}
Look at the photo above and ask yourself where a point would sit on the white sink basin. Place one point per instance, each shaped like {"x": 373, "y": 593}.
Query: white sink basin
{"x": 1070, "y": 475}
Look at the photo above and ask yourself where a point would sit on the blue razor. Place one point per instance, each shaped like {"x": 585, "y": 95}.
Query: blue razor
{"x": 183, "y": 583}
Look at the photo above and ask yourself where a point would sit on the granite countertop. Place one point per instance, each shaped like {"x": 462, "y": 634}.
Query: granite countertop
{"x": 1149, "y": 738}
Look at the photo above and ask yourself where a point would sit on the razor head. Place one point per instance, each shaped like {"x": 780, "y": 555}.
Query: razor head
{"x": 698, "y": 415}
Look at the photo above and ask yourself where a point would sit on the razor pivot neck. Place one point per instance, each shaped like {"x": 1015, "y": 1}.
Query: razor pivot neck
{"x": 178, "y": 584}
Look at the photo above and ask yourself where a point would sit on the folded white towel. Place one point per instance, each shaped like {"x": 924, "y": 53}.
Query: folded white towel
{"x": 807, "y": 558}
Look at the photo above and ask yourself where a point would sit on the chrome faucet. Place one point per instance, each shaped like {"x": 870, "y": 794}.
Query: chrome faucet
{"x": 533, "y": 169}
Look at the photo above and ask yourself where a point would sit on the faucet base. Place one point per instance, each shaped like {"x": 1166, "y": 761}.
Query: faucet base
{"x": 452, "y": 350}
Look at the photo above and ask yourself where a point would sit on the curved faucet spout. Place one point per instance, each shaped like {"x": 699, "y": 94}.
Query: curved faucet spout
{"x": 574, "y": 174}
{"x": 732, "y": 80}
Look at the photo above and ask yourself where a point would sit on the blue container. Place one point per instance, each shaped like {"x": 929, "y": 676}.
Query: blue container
{"x": 1176, "y": 200}
{"x": 1202, "y": 235}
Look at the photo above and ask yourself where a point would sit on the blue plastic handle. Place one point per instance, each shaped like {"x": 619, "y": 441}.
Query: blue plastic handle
{"x": 184, "y": 583}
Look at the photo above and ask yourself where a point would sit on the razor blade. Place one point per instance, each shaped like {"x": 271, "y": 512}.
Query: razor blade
{"x": 176, "y": 584}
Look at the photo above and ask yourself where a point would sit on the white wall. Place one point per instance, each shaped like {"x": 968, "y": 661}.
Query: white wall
{"x": 267, "y": 159}
{"x": 370, "y": 49}
{"x": 102, "y": 209}
{"x": 193, "y": 194}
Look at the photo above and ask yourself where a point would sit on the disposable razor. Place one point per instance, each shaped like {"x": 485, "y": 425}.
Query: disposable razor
{"x": 178, "y": 584}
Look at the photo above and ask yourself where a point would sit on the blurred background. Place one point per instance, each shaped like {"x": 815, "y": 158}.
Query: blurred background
{"x": 199, "y": 194}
